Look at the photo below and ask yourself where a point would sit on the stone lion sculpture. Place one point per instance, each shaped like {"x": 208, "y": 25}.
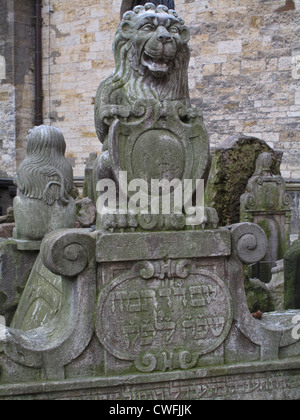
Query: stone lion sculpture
{"x": 151, "y": 58}
{"x": 44, "y": 180}
{"x": 143, "y": 113}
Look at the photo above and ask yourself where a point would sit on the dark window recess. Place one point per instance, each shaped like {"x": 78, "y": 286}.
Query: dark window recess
{"x": 8, "y": 191}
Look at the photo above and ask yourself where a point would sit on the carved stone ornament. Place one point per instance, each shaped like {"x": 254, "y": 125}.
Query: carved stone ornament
{"x": 266, "y": 203}
{"x": 164, "y": 315}
{"x": 143, "y": 113}
{"x": 44, "y": 180}
{"x": 265, "y": 192}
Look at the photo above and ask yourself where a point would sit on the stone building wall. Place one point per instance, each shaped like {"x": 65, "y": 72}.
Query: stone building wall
{"x": 17, "y": 81}
{"x": 7, "y": 93}
{"x": 244, "y": 71}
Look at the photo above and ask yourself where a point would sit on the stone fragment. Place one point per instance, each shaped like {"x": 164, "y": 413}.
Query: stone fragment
{"x": 86, "y": 212}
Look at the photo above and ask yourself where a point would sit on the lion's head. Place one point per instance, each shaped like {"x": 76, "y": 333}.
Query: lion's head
{"x": 157, "y": 36}
{"x": 151, "y": 60}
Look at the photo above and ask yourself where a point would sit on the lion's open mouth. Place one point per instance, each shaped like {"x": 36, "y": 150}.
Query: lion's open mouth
{"x": 158, "y": 66}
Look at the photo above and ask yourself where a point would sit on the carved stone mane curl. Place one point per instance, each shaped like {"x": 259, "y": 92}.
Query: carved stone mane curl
{"x": 131, "y": 80}
{"x": 45, "y": 174}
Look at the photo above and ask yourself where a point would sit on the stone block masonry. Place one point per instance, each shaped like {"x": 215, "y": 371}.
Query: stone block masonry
{"x": 244, "y": 73}
{"x": 16, "y": 82}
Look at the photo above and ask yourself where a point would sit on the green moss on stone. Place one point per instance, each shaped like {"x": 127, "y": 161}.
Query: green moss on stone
{"x": 292, "y": 277}
{"x": 232, "y": 166}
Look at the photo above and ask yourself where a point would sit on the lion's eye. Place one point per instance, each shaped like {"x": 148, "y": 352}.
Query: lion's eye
{"x": 174, "y": 30}
{"x": 148, "y": 27}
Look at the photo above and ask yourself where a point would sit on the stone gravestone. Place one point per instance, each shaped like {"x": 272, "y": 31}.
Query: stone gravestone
{"x": 237, "y": 155}
{"x": 153, "y": 313}
{"x": 266, "y": 203}
{"x": 41, "y": 299}
{"x": 292, "y": 277}
{"x": 15, "y": 268}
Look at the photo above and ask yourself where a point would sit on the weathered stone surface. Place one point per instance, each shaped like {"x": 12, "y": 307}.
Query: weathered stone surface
{"x": 266, "y": 203}
{"x": 17, "y": 98}
{"x": 237, "y": 155}
{"x": 45, "y": 180}
{"x": 9, "y": 217}
{"x": 276, "y": 286}
{"x": 292, "y": 276}
{"x": 154, "y": 306}
{"x": 6, "y": 230}
{"x": 258, "y": 295}
{"x": 86, "y": 212}
{"x": 143, "y": 114}
{"x": 268, "y": 381}
{"x": 162, "y": 245}
{"x": 186, "y": 316}
{"x": 15, "y": 268}
{"x": 234, "y": 97}
{"x": 40, "y": 301}
{"x": 88, "y": 187}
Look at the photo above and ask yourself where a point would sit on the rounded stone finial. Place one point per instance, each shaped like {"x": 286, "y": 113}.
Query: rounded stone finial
{"x": 66, "y": 252}
{"x": 249, "y": 242}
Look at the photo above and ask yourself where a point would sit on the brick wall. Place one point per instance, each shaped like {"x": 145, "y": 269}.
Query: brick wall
{"x": 244, "y": 72}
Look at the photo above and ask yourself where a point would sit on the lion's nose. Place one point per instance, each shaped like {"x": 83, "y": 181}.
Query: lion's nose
{"x": 164, "y": 38}
{"x": 163, "y": 35}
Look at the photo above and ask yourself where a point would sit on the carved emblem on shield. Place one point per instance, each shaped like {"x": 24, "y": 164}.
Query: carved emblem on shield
{"x": 160, "y": 140}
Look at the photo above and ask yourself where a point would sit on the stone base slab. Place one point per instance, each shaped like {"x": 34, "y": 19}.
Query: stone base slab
{"x": 259, "y": 381}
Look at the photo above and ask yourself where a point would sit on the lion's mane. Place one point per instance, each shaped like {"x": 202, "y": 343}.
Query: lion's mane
{"x": 45, "y": 174}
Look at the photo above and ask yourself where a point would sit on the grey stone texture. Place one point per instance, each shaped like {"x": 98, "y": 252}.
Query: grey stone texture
{"x": 17, "y": 86}
{"x": 237, "y": 155}
{"x": 169, "y": 327}
{"x": 15, "y": 268}
{"x": 266, "y": 203}
{"x": 45, "y": 181}
{"x": 292, "y": 276}
{"x": 276, "y": 285}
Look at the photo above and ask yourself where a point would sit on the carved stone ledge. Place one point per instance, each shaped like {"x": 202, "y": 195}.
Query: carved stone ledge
{"x": 162, "y": 245}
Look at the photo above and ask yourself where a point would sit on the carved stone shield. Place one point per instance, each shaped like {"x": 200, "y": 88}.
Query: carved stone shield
{"x": 160, "y": 140}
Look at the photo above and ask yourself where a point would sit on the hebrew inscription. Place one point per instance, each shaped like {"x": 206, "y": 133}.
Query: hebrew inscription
{"x": 164, "y": 315}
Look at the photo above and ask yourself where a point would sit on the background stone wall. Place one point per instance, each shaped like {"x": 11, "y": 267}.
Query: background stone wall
{"x": 244, "y": 73}
{"x": 17, "y": 81}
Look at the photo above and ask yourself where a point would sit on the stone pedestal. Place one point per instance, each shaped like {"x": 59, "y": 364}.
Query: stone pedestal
{"x": 163, "y": 318}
